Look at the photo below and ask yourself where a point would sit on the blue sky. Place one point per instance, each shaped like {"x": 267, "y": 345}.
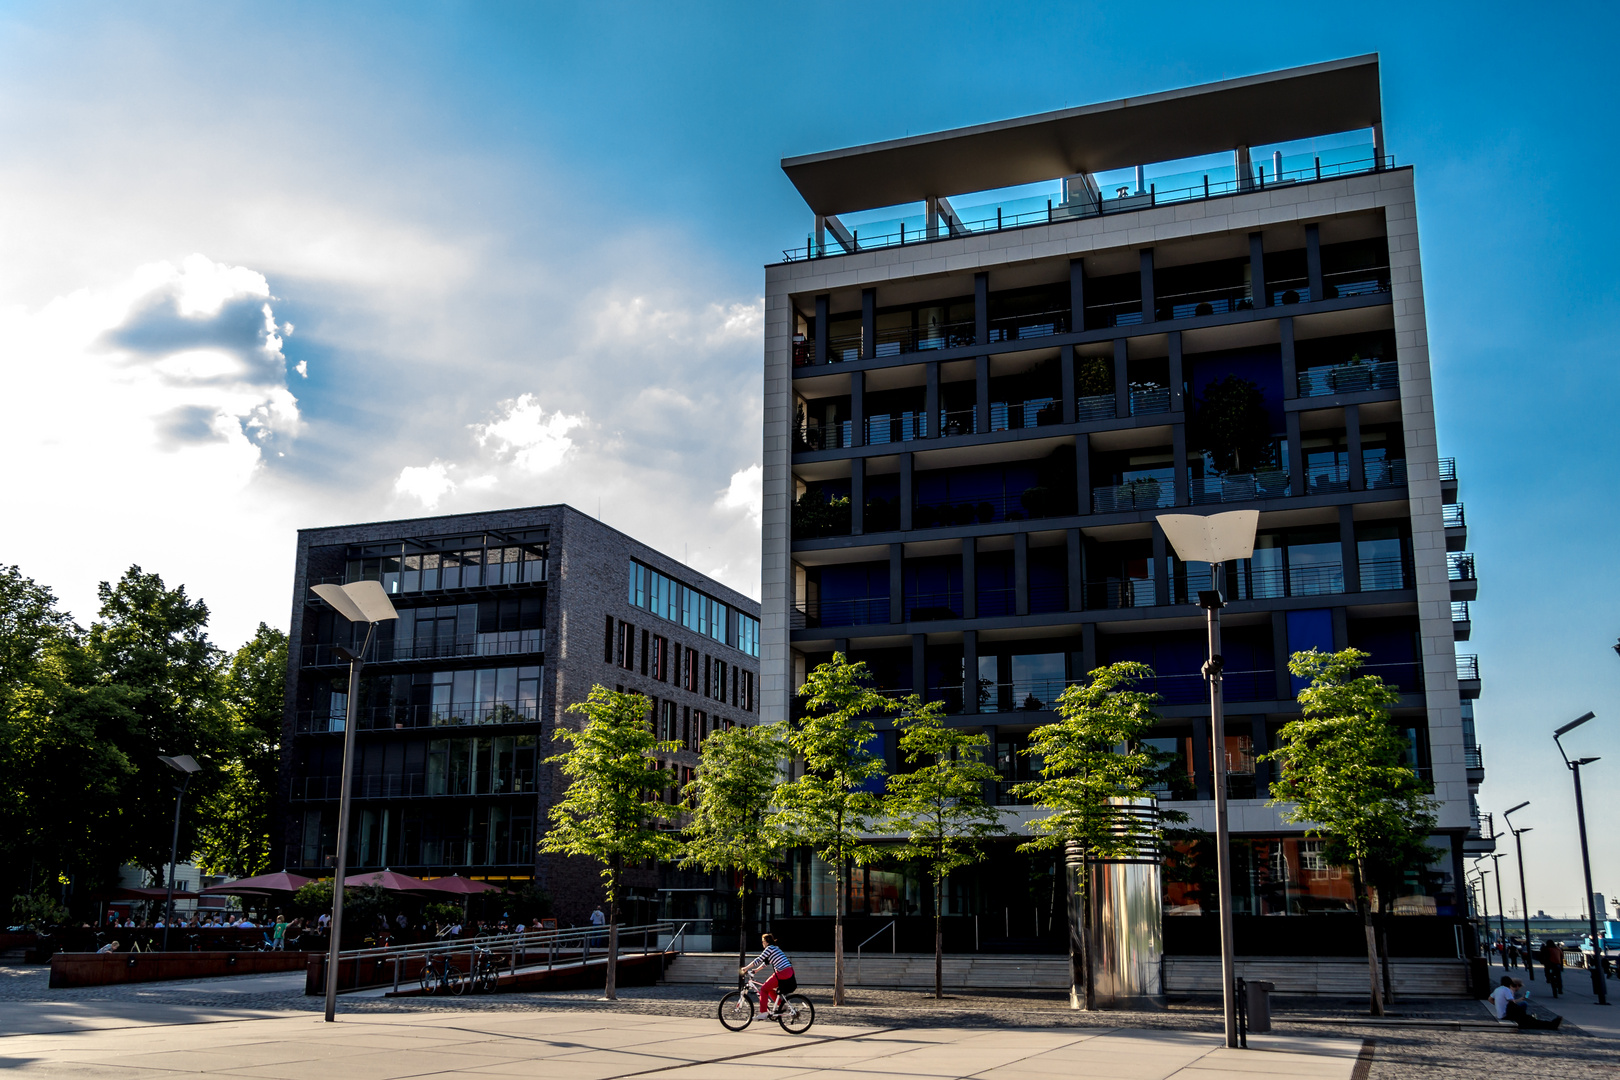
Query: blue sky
{"x": 519, "y": 250}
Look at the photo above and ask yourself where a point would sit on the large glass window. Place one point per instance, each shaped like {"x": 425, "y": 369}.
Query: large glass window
{"x": 669, "y": 599}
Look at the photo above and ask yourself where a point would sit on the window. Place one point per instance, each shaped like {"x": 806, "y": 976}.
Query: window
{"x": 747, "y": 634}
{"x": 644, "y": 644}
{"x": 717, "y": 683}
{"x": 668, "y": 722}
{"x": 669, "y": 599}
{"x": 746, "y": 693}
{"x": 607, "y": 643}
{"x": 700, "y": 730}
{"x": 689, "y": 669}
{"x": 660, "y": 658}
{"x": 625, "y": 647}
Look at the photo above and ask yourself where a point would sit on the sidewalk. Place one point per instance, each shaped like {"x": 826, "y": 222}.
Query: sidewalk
{"x": 1578, "y": 1004}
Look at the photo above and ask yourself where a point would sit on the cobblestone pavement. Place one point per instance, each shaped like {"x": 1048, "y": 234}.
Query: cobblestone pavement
{"x": 1398, "y": 1051}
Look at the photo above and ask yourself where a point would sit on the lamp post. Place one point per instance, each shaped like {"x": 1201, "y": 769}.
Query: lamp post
{"x": 1600, "y": 985}
{"x": 1484, "y": 901}
{"x": 359, "y": 602}
{"x": 186, "y": 766}
{"x": 1501, "y": 912}
{"x": 1217, "y": 539}
{"x": 1524, "y": 900}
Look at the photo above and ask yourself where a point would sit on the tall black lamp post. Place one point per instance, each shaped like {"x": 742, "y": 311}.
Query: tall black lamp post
{"x": 186, "y": 766}
{"x": 1600, "y": 985}
{"x": 1524, "y": 900}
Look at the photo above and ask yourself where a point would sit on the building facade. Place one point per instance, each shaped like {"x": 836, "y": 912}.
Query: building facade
{"x": 506, "y": 619}
{"x": 1003, "y": 350}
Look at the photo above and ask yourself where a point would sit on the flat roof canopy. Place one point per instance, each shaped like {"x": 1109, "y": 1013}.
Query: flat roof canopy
{"x": 1279, "y": 106}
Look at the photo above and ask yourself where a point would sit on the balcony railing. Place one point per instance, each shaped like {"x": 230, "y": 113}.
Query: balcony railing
{"x": 1200, "y": 302}
{"x": 857, "y": 611}
{"x": 1460, "y": 565}
{"x": 1112, "y": 594}
{"x": 1448, "y": 469}
{"x": 1349, "y": 378}
{"x": 1289, "y": 291}
{"x": 1149, "y": 400}
{"x": 1035, "y": 412}
{"x": 896, "y": 427}
{"x": 1326, "y": 479}
{"x": 954, "y": 422}
{"x": 1029, "y": 505}
{"x": 1459, "y": 611}
{"x": 1467, "y": 667}
{"x": 1366, "y": 281}
{"x": 502, "y": 643}
{"x": 406, "y": 786}
{"x": 1274, "y": 582}
{"x": 1036, "y": 324}
{"x": 1185, "y": 187}
{"x": 921, "y": 607}
{"x": 1452, "y": 515}
{"x": 406, "y": 717}
{"x": 1133, "y": 495}
{"x": 1384, "y": 472}
{"x": 1473, "y": 758}
{"x": 1094, "y": 407}
{"x": 1118, "y": 313}
{"x": 1206, "y": 490}
{"x": 1378, "y": 575}
{"x": 1038, "y": 695}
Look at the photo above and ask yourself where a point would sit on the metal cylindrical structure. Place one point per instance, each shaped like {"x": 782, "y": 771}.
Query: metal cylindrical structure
{"x": 1127, "y": 914}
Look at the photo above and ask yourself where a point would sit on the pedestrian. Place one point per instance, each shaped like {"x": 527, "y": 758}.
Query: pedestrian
{"x": 1512, "y": 955}
{"x": 278, "y": 934}
{"x": 1552, "y": 965}
{"x": 1509, "y": 1003}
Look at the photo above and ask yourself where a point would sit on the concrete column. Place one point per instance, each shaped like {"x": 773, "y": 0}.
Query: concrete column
{"x": 1178, "y": 380}
{"x": 1149, "y": 301}
{"x": 931, "y": 216}
{"x": 970, "y": 578}
{"x": 981, "y": 307}
{"x": 919, "y": 664}
{"x": 970, "y": 677}
{"x": 1201, "y": 758}
{"x": 1066, "y": 367}
{"x": 841, "y": 645}
{"x": 1257, "y": 271}
{"x": 1178, "y": 450}
{"x": 907, "y": 463}
{"x": 857, "y": 496}
{"x": 992, "y": 789}
{"x": 822, "y": 303}
{"x": 1077, "y": 295}
{"x": 1296, "y": 456}
{"x": 1077, "y": 571}
{"x": 1341, "y": 629}
{"x": 1290, "y": 374}
{"x": 1279, "y": 655}
{"x": 1161, "y": 566}
{"x": 868, "y": 323}
{"x": 1352, "y": 440}
{"x": 1122, "y": 383}
{"x": 1244, "y": 171}
{"x": 1082, "y": 473}
{"x": 981, "y": 378}
{"x": 1021, "y": 573}
{"x": 931, "y": 399}
{"x": 1347, "y": 548}
{"x": 1088, "y": 648}
{"x": 1313, "y": 261}
{"x": 897, "y": 596}
{"x": 857, "y": 408}
{"x": 1262, "y": 769}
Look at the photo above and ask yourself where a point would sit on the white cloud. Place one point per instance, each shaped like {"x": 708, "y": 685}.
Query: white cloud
{"x": 427, "y": 484}
{"x": 746, "y": 493}
{"x": 524, "y": 434}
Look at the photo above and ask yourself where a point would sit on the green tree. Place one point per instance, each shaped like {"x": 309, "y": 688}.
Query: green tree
{"x": 1233, "y": 425}
{"x": 613, "y": 808}
{"x": 152, "y": 641}
{"x": 730, "y": 794}
{"x": 234, "y": 838}
{"x": 1091, "y": 760}
{"x": 1342, "y": 770}
{"x": 940, "y": 806}
{"x": 829, "y": 808}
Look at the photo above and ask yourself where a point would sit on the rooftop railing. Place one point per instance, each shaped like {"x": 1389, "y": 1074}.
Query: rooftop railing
{"x": 1193, "y": 190}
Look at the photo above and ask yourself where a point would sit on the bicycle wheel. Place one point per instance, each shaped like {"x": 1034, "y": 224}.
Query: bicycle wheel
{"x": 797, "y": 1014}
{"x": 453, "y": 980}
{"x": 429, "y": 979}
{"x": 736, "y": 1010}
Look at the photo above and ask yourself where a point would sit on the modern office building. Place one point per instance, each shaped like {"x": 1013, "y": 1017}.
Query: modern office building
{"x": 506, "y": 619}
{"x": 1004, "y": 349}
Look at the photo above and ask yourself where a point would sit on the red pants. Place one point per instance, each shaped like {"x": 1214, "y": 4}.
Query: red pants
{"x": 767, "y": 991}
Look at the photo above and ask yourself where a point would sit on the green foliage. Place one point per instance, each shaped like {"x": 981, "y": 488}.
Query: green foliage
{"x": 816, "y": 515}
{"x": 362, "y": 904}
{"x": 234, "y": 837}
{"x": 315, "y": 899}
{"x": 1232, "y": 424}
{"x": 528, "y": 903}
{"x": 940, "y": 805}
{"x": 613, "y": 806}
{"x": 1093, "y": 375}
{"x": 37, "y": 910}
{"x": 1091, "y": 755}
{"x": 730, "y": 794}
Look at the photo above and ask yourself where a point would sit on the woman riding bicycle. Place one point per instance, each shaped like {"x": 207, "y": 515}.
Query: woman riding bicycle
{"x": 781, "y": 980}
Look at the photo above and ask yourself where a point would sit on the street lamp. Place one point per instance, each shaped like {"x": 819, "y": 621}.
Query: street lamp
{"x": 187, "y": 766}
{"x": 1217, "y": 539}
{"x": 1599, "y": 983}
{"x": 1501, "y": 911}
{"x": 359, "y": 602}
{"x": 1524, "y": 900}
{"x": 1484, "y": 900}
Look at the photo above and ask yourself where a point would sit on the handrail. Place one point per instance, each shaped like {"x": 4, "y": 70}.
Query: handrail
{"x": 894, "y": 944}
{"x": 516, "y": 945}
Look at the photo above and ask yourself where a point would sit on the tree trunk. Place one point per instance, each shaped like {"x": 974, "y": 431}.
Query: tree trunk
{"x": 611, "y": 983}
{"x": 1375, "y": 998}
{"x": 742, "y": 928}
{"x": 1383, "y": 952}
{"x": 838, "y": 934}
{"x": 939, "y": 940}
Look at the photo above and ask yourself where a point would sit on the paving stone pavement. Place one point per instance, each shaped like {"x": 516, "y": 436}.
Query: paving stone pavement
{"x": 1398, "y": 1051}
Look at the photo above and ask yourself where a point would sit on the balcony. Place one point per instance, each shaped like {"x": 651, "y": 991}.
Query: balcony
{"x": 1145, "y": 494}
{"x": 501, "y": 643}
{"x": 857, "y": 611}
{"x": 1036, "y": 324}
{"x": 924, "y": 607}
{"x": 1460, "y": 572}
{"x": 1149, "y": 400}
{"x": 1468, "y": 675}
{"x": 1462, "y": 625}
{"x": 1200, "y": 302}
{"x": 1094, "y": 407}
{"x": 896, "y": 427}
{"x": 401, "y": 786}
{"x": 1355, "y": 377}
{"x": 1017, "y": 415}
{"x": 1448, "y": 479}
{"x": 1031, "y": 504}
{"x": 411, "y": 717}
{"x": 1474, "y": 763}
{"x": 1208, "y": 490}
{"x": 1384, "y": 473}
{"x": 1456, "y": 523}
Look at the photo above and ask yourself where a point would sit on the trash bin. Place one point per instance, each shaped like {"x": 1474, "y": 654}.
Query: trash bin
{"x": 1258, "y": 1004}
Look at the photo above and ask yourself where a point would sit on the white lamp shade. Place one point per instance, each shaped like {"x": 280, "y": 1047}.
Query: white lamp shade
{"x": 358, "y": 601}
{"x": 1215, "y": 538}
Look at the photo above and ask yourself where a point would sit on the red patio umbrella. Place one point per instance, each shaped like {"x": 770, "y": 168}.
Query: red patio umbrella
{"x": 456, "y": 885}
{"x": 387, "y": 879}
{"x": 259, "y": 886}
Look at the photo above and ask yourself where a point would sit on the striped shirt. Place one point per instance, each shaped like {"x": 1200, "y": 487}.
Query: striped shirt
{"x": 776, "y": 958}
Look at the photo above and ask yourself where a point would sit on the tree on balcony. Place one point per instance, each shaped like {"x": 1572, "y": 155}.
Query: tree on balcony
{"x": 831, "y": 806}
{"x": 940, "y": 806}
{"x": 1343, "y": 770}
{"x": 1232, "y": 425}
{"x": 612, "y": 809}
{"x": 730, "y": 795}
{"x": 1084, "y": 779}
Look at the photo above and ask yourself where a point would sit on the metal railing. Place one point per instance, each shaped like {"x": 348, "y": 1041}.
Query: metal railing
{"x": 855, "y": 611}
{"x": 1460, "y": 565}
{"x": 1452, "y": 515}
{"x": 1028, "y": 505}
{"x": 1220, "y": 300}
{"x": 954, "y": 422}
{"x": 1134, "y": 495}
{"x": 1364, "y": 281}
{"x": 1448, "y": 469}
{"x": 1116, "y": 313}
{"x": 940, "y": 605}
{"x": 896, "y": 427}
{"x": 1149, "y": 400}
{"x": 1378, "y": 575}
{"x": 383, "y": 717}
{"x": 1093, "y": 407}
{"x": 403, "y": 786}
{"x": 1205, "y": 490}
{"x": 815, "y": 435}
{"x": 1055, "y": 211}
{"x": 1037, "y": 324}
{"x": 1459, "y": 611}
{"x": 1349, "y": 378}
{"x": 1473, "y": 757}
{"x": 1034, "y": 412}
{"x": 894, "y": 944}
{"x": 1112, "y": 594}
{"x": 1289, "y": 291}
{"x": 1035, "y": 695}
{"x": 500, "y": 643}
{"x": 1467, "y": 667}
{"x": 1384, "y": 473}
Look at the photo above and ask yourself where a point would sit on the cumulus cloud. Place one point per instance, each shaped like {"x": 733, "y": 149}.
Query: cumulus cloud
{"x": 427, "y": 484}
{"x": 746, "y": 493}
{"x": 527, "y": 436}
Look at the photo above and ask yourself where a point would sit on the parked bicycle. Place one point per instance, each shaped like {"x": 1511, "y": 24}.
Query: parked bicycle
{"x": 439, "y": 974}
{"x": 486, "y": 969}
{"x": 793, "y": 1011}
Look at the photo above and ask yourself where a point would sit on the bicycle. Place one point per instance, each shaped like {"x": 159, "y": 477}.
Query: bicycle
{"x": 438, "y": 973}
{"x": 486, "y": 969}
{"x": 793, "y": 1011}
